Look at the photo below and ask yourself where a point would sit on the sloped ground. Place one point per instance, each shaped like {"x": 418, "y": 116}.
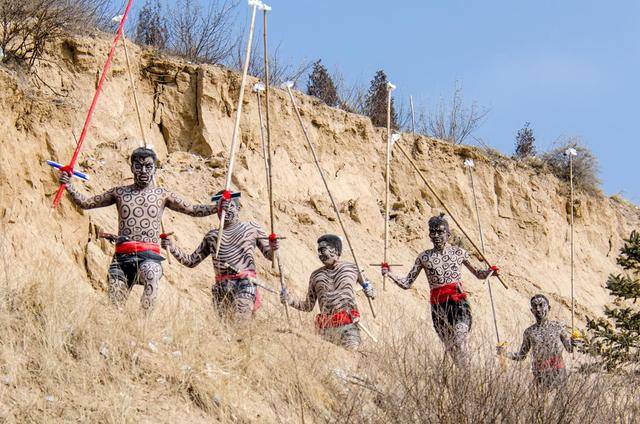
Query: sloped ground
{"x": 183, "y": 364}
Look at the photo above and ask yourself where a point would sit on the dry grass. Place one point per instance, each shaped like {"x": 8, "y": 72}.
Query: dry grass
{"x": 67, "y": 355}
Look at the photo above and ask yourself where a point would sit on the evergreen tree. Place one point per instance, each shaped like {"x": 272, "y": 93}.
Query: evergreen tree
{"x": 525, "y": 142}
{"x": 151, "y": 29}
{"x": 321, "y": 85}
{"x": 615, "y": 339}
{"x": 376, "y": 102}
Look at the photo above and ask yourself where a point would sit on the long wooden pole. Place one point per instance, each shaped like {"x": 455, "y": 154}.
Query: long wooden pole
{"x": 387, "y": 178}
{"x": 426, "y": 182}
{"x": 573, "y": 312}
{"x": 475, "y": 202}
{"x": 143, "y": 142}
{"x": 236, "y": 126}
{"x": 326, "y": 185}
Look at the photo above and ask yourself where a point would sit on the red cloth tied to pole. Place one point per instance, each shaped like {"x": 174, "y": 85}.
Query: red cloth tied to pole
{"x": 447, "y": 292}
{"x": 338, "y": 319}
{"x": 224, "y": 197}
{"x": 136, "y": 246}
{"x": 385, "y": 265}
{"x": 551, "y": 363}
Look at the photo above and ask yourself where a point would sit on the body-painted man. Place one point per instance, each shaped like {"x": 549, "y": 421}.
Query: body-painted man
{"x": 546, "y": 340}
{"x": 234, "y": 291}
{"x": 140, "y": 206}
{"x": 332, "y": 286}
{"x": 450, "y": 310}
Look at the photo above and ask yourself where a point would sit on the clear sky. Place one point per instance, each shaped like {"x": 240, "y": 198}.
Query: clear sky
{"x": 569, "y": 67}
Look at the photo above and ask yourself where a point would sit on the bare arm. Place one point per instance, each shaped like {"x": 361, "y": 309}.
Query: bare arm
{"x": 406, "y": 282}
{"x": 107, "y": 198}
{"x": 566, "y": 340}
{"x": 193, "y": 259}
{"x": 480, "y": 274}
{"x": 263, "y": 243}
{"x": 176, "y": 203}
{"x": 307, "y": 304}
{"x": 524, "y": 349}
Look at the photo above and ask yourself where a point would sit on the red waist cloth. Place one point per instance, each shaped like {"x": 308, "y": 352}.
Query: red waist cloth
{"x": 242, "y": 275}
{"x": 136, "y": 246}
{"x": 447, "y": 292}
{"x": 336, "y": 320}
{"x": 552, "y": 363}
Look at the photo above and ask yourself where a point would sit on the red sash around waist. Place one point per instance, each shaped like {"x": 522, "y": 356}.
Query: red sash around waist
{"x": 336, "y": 320}
{"x": 551, "y": 363}
{"x": 242, "y": 275}
{"x": 136, "y": 246}
{"x": 447, "y": 292}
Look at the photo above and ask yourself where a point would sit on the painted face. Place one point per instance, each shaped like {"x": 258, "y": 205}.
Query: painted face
{"x": 439, "y": 235}
{"x": 143, "y": 171}
{"x": 327, "y": 254}
{"x": 231, "y": 211}
{"x": 539, "y": 308}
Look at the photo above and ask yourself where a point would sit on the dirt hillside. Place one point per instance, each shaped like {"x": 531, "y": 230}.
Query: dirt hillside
{"x": 188, "y": 111}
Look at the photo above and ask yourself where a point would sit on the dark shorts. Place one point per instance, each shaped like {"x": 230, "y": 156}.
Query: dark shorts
{"x": 446, "y": 315}
{"x": 125, "y": 266}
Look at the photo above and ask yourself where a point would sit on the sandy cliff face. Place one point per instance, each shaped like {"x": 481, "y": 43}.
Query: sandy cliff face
{"x": 188, "y": 111}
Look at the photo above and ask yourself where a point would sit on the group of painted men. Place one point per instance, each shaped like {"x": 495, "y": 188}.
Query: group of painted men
{"x": 137, "y": 260}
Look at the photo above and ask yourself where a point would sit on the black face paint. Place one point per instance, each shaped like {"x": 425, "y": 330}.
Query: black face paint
{"x": 143, "y": 171}
{"x": 539, "y": 308}
{"x": 439, "y": 235}
{"x": 327, "y": 254}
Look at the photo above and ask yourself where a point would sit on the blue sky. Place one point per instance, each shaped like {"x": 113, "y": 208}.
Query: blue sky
{"x": 569, "y": 67}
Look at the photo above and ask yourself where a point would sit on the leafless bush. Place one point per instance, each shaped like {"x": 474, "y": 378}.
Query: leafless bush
{"x": 454, "y": 122}
{"x": 352, "y": 96}
{"x": 585, "y": 165}
{"x": 202, "y": 34}
{"x": 27, "y": 26}
{"x": 151, "y": 26}
{"x": 409, "y": 382}
{"x": 280, "y": 69}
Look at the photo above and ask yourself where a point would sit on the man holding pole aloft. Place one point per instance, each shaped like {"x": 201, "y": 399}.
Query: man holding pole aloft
{"x": 332, "y": 287}
{"x": 234, "y": 292}
{"x": 450, "y": 310}
{"x": 140, "y": 207}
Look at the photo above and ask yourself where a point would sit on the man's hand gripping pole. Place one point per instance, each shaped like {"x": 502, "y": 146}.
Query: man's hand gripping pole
{"x": 72, "y": 163}
{"x": 236, "y": 128}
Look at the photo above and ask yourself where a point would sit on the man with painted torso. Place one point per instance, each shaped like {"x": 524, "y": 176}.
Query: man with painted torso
{"x": 332, "y": 286}
{"x": 450, "y": 309}
{"x": 140, "y": 207}
{"x": 234, "y": 292}
{"x": 546, "y": 339}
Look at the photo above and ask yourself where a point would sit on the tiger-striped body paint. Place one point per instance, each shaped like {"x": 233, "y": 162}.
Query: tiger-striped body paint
{"x": 332, "y": 286}
{"x": 232, "y": 296}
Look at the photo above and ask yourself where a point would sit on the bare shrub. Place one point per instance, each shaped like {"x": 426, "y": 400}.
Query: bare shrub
{"x": 152, "y": 27}
{"x": 585, "y": 165}
{"x": 202, "y": 34}
{"x": 409, "y": 382}
{"x": 455, "y": 122}
{"x": 525, "y": 142}
{"x": 352, "y": 96}
{"x": 280, "y": 69}
{"x": 28, "y": 26}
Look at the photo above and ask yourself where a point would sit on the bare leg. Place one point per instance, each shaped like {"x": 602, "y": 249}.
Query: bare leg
{"x": 149, "y": 274}
{"x": 119, "y": 288}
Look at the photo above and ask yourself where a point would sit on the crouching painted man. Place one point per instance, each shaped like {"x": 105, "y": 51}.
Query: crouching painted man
{"x": 140, "y": 206}
{"x": 234, "y": 292}
{"x": 332, "y": 286}
{"x": 545, "y": 339}
{"x": 450, "y": 310}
